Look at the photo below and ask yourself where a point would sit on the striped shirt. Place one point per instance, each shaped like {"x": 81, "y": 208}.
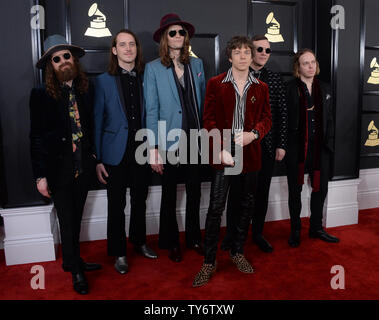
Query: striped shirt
{"x": 240, "y": 102}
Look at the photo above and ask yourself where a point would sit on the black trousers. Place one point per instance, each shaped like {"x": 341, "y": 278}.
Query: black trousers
{"x": 127, "y": 173}
{"x": 168, "y": 225}
{"x": 241, "y": 217}
{"x": 294, "y": 188}
{"x": 69, "y": 202}
{"x": 261, "y": 198}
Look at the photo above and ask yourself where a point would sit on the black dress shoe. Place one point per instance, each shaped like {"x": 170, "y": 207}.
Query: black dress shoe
{"x": 85, "y": 266}
{"x": 263, "y": 244}
{"x": 80, "y": 283}
{"x": 198, "y": 247}
{"x": 294, "y": 240}
{"x": 322, "y": 235}
{"x": 146, "y": 251}
{"x": 175, "y": 254}
{"x": 121, "y": 265}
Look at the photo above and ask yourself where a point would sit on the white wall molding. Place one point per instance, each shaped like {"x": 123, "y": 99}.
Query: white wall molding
{"x": 368, "y": 190}
{"x": 31, "y": 233}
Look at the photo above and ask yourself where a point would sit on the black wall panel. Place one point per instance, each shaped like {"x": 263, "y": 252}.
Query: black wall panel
{"x": 216, "y": 21}
{"x": 370, "y": 85}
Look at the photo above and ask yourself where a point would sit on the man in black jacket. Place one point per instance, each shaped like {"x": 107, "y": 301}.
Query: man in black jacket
{"x": 273, "y": 145}
{"x": 62, "y": 146}
{"x": 310, "y": 144}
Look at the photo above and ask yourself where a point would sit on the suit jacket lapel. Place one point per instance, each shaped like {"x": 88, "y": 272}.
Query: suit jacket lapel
{"x": 229, "y": 99}
{"x": 120, "y": 95}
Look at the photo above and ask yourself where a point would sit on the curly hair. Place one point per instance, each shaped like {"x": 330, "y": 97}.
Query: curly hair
{"x": 53, "y": 87}
{"x": 238, "y": 42}
{"x": 164, "y": 52}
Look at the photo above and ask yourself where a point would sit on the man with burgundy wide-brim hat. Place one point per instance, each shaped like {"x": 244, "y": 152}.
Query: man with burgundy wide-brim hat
{"x": 169, "y": 20}
{"x": 174, "y": 90}
{"x": 62, "y": 146}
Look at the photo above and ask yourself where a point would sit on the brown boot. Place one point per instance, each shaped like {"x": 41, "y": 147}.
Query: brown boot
{"x": 242, "y": 264}
{"x": 205, "y": 273}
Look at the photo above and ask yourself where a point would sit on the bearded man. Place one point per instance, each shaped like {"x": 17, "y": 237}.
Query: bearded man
{"x": 62, "y": 146}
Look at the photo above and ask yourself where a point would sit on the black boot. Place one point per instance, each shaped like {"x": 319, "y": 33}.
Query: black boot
{"x": 294, "y": 240}
{"x": 79, "y": 282}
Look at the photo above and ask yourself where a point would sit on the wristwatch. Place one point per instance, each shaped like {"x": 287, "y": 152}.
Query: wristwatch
{"x": 256, "y": 132}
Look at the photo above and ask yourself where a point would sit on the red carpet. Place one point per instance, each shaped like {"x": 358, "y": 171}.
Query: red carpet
{"x": 287, "y": 273}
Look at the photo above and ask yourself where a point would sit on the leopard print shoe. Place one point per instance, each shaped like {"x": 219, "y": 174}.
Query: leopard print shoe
{"x": 205, "y": 273}
{"x": 242, "y": 264}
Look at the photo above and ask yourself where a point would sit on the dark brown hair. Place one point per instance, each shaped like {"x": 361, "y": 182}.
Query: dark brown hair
{"x": 296, "y": 64}
{"x": 238, "y": 42}
{"x": 113, "y": 61}
{"x": 53, "y": 87}
{"x": 258, "y": 37}
{"x": 164, "y": 52}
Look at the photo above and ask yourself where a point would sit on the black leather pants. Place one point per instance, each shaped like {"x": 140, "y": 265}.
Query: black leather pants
{"x": 219, "y": 191}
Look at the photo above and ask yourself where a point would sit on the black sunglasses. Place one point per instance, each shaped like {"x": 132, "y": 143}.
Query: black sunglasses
{"x": 260, "y": 49}
{"x": 66, "y": 56}
{"x": 172, "y": 33}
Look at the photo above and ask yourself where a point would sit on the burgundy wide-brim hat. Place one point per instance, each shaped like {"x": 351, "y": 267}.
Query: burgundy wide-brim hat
{"x": 169, "y": 20}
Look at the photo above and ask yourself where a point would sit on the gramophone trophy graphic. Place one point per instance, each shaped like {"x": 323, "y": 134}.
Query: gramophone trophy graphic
{"x": 98, "y": 28}
{"x": 192, "y": 54}
{"x": 273, "y": 31}
{"x": 374, "y": 78}
{"x": 373, "y": 139}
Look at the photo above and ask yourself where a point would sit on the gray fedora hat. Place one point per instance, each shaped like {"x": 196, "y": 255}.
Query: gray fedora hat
{"x": 56, "y": 43}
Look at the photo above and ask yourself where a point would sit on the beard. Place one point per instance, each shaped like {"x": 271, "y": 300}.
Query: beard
{"x": 66, "y": 73}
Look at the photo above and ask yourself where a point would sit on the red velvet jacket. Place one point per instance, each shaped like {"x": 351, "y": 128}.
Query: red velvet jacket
{"x": 218, "y": 114}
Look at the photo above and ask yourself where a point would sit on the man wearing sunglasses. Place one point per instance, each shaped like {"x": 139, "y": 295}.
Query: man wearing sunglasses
{"x": 174, "y": 89}
{"x": 273, "y": 145}
{"x": 62, "y": 146}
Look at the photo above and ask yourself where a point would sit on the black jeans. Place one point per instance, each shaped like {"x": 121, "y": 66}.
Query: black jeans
{"x": 168, "y": 225}
{"x": 137, "y": 177}
{"x": 294, "y": 188}
{"x": 241, "y": 216}
{"x": 69, "y": 203}
{"x": 261, "y": 198}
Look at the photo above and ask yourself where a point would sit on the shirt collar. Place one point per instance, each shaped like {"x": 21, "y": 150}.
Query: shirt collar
{"x": 229, "y": 77}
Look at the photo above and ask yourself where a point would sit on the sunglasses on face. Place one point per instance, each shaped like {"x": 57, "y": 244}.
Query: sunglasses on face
{"x": 66, "y": 56}
{"x": 172, "y": 33}
{"x": 260, "y": 49}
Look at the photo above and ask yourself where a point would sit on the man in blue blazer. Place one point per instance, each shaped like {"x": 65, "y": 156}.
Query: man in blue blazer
{"x": 174, "y": 89}
{"x": 119, "y": 114}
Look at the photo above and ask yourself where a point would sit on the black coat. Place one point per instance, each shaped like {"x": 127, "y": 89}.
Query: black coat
{"x": 50, "y": 135}
{"x": 293, "y": 102}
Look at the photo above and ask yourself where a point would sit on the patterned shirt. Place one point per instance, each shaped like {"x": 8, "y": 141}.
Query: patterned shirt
{"x": 240, "y": 101}
{"x": 277, "y": 136}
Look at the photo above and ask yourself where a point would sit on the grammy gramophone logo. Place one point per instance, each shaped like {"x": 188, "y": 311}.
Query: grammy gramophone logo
{"x": 191, "y": 53}
{"x": 97, "y": 28}
{"x": 374, "y": 78}
{"x": 373, "y": 139}
{"x": 273, "y": 31}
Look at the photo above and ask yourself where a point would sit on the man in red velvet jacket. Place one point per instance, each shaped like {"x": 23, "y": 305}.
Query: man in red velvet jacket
{"x": 238, "y": 102}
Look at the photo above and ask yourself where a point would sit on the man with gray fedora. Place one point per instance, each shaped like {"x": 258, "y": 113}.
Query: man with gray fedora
{"x": 62, "y": 146}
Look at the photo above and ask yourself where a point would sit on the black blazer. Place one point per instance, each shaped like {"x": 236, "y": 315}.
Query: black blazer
{"x": 50, "y": 135}
{"x": 293, "y": 101}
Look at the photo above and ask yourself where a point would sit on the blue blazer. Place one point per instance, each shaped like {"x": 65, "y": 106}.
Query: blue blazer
{"x": 163, "y": 102}
{"x": 110, "y": 121}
